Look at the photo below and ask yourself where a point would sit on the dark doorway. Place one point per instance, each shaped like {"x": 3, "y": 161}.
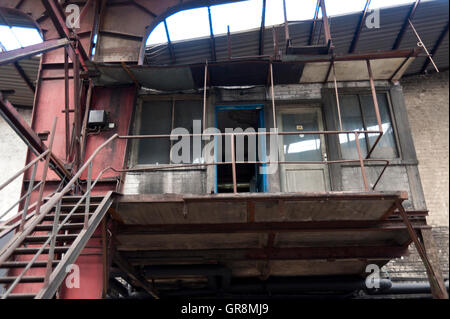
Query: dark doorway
{"x": 247, "y": 175}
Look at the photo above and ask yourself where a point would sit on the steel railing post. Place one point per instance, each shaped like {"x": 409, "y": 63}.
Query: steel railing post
{"x": 27, "y": 201}
{"x": 88, "y": 197}
{"x": 361, "y": 162}
{"x": 51, "y": 253}
{"x": 47, "y": 162}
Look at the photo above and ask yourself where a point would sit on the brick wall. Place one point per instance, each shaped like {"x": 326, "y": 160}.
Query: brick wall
{"x": 427, "y": 103}
{"x": 426, "y": 99}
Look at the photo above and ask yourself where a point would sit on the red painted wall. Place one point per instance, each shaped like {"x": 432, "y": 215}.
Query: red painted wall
{"x": 118, "y": 103}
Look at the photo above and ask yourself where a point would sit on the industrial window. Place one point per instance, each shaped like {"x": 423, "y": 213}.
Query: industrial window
{"x": 160, "y": 118}
{"x": 357, "y": 111}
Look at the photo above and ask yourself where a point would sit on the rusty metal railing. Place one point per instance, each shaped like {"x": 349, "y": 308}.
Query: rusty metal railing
{"x": 233, "y": 162}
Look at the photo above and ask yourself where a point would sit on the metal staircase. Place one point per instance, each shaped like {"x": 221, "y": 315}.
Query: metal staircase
{"x": 47, "y": 236}
{"x": 51, "y": 241}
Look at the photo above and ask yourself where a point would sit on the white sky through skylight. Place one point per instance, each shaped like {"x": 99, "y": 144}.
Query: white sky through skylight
{"x": 246, "y": 15}
{"x": 239, "y": 16}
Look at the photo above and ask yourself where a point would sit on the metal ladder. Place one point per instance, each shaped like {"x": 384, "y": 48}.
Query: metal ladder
{"x": 57, "y": 237}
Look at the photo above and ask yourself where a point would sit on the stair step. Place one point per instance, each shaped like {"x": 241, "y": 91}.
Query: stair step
{"x": 49, "y": 227}
{"x": 34, "y": 250}
{"x": 20, "y": 296}
{"x": 74, "y": 216}
{"x": 69, "y": 207}
{"x": 23, "y": 264}
{"x": 43, "y": 238}
{"x": 29, "y": 279}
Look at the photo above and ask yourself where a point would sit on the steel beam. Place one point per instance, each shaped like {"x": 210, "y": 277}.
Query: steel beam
{"x": 359, "y": 28}
{"x": 212, "y": 38}
{"x": 262, "y": 29}
{"x": 400, "y": 35}
{"x": 435, "y": 47}
{"x": 28, "y": 135}
{"x": 32, "y": 50}
{"x": 169, "y": 42}
{"x": 59, "y": 21}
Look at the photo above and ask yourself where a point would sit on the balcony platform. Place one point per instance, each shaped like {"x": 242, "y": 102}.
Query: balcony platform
{"x": 284, "y": 234}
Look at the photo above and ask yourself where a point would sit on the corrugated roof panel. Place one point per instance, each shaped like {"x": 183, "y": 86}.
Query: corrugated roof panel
{"x": 11, "y": 80}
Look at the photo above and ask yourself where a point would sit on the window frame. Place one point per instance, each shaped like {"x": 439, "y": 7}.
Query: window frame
{"x": 134, "y": 147}
{"x": 366, "y": 91}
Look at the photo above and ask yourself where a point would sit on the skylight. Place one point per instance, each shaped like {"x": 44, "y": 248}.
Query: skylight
{"x": 18, "y": 37}
{"x": 245, "y": 15}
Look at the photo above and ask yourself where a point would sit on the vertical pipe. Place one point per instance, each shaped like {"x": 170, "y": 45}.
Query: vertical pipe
{"x": 66, "y": 101}
{"x": 27, "y": 200}
{"x": 374, "y": 96}
{"x": 275, "y": 43}
{"x": 233, "y": 162}
{"x": 337, "y": 96}
{"x": 274, "y": 113}
{"x": 204, "y": 95}
{"x": 375, "y": 105}
{"x": 51, "y": 253}
{"x": 286, "y": 25}
{"x": 326, "y": 24}
{"x": 88, "y": 196}
{"x": 77, "y": 107}
{"x": 361, "y": 162}
{"x": 229, "y": 42}
{"x": 47, "y": 162}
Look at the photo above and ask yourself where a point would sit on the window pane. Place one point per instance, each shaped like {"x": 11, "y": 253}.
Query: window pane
{"x": 386, "y": 147}
{"x": 155, "y": 120}
{"x": 351, "y": 121}
{"x": 186, "y": 112}
{"x": 301, "y": 147}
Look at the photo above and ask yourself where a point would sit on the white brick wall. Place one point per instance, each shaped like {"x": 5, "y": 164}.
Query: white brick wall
{"x": 427, "y": 103}
{"x": 12, "y": 159}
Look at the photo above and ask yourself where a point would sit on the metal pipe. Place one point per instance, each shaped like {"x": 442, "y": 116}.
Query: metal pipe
{"x": 24, "y": 169}
{"x": 51, "y": 253}
{"x": 422, "y": 45}
{"x": 204, "y": 95}
{"x": 337, "y": 96}
{"x": 273, "y": 98}
{"x": 361, "y": 162}
{"x": 233, "y": 163}
{"x": 88, "y": 198}
{"x": 47, "y": 162}
{"x": 27, "y": 201}
{"x": 66, "y": 101}
{"x": 375, "y": 105}
{"x": 20, "y": 200}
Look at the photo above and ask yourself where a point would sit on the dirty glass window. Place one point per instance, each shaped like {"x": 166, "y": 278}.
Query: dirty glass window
{"x": 155, "y": 118}
{"x": 358, "y": 114}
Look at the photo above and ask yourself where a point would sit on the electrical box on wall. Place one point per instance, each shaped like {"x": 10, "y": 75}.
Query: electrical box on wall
{"x": 97, "y": 118}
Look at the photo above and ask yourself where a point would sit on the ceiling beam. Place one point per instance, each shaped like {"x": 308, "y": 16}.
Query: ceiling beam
{"x": 57, "y": 16}
{"x": 24, "y": 77}
{"x": 435, "y": 47}
{"x": 359, "y": 28}
{"x": 313, "y": 26}
{"x": 263, "y": 27}
{"x": 28, "y": 135}
{"x": 169, "y": 43}
{"x": 29, "y": 51}
{"x": 400, "y": 35}
{"x": 212, "y": 38}
{"x": 137, "y": 278}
